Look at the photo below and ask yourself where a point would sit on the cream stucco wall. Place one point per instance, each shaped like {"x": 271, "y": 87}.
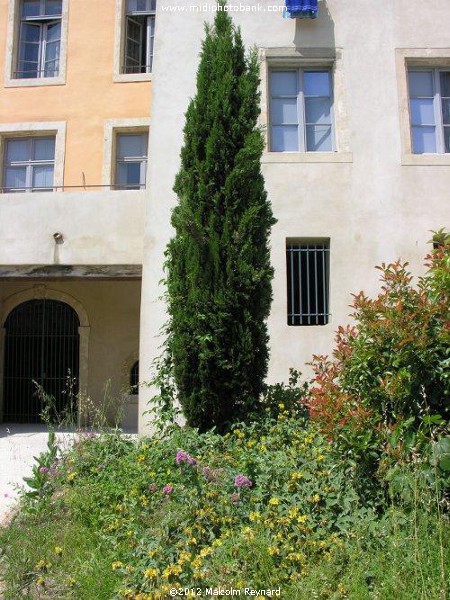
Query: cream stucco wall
{"x": 98, "y": 228}
{"x": 371, "y": 202}
{"x": 109, "y": 315}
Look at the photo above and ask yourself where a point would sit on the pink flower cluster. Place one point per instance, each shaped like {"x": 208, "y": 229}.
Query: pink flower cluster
{"x": 241, "y": 481}
{"x": 183, "y": 456}
{"x": 167, "y": 490}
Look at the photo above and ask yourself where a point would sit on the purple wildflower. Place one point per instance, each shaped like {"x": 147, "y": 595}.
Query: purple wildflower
{"x": 43, "y": 470}
{"x": 183, "y": 456}
{"x": 241, "y": 481}
{"x": 167, "y": 490}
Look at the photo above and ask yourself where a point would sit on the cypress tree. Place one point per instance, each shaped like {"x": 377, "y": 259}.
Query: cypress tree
{"x": 218, "y": 264}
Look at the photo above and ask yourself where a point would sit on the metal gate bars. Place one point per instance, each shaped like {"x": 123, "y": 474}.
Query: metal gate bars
{"x": 41, "y": 345}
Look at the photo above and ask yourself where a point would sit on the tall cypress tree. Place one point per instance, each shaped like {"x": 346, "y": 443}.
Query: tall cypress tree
{"x": 218, "y": 264}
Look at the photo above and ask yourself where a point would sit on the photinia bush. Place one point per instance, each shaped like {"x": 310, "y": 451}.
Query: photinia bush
{"x": 389, "y": 371}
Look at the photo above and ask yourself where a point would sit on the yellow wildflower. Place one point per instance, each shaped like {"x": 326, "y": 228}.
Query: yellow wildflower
{"x": 58, "y": 550}
{"x": 42, "y": 565}
{"x": 254, "y": 516}
{"x": 150, "y": 574}
{"x": 274, "y": 502}
{"x": 116, "y": 565}
{"x": 71, "y": 476}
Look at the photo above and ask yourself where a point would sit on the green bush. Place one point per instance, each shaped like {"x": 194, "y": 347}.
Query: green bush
{"x": 386, "y": 391}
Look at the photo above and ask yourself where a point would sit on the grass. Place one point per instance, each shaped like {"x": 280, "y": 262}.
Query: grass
{"x": 122, "y": 519}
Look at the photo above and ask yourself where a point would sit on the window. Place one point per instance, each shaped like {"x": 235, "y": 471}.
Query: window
{"x": 39, "y": 39}
{"x": 429, "y": 102}
{"x": 131, "y": 162}
{"x": 307, "y": 266}
{"x": 134, "y": 378}
{"x": 139, "y": 36}
{"x": 301, "y": 117}
{"x": 29, "y": 164}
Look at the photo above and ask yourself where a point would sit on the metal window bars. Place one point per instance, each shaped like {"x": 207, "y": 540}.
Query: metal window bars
{"x": 307, "y": 267}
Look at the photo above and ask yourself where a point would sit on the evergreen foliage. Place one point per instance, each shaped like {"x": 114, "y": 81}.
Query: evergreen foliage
{"x": 218, "y": 264}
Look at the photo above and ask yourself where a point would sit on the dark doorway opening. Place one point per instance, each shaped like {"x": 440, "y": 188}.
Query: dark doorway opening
{"x": 42, "y": 345}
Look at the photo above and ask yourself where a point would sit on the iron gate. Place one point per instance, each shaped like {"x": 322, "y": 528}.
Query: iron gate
{"x": 42, "y": 345}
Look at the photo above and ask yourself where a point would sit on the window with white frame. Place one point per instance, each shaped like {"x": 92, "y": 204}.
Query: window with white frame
{"x": 139, "y": 36}
{"x": 301, "y": 110}
{"x": 307, "y": 268}
{"x": 429, "y": 102}
{"x": 131, "y": 161}
{"x": 39, "y": 41}
{"x": 29, "y": 164}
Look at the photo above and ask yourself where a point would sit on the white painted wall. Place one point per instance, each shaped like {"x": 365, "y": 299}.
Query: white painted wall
{"x": 99, "y": 228}
{"x": 374, "y": 206}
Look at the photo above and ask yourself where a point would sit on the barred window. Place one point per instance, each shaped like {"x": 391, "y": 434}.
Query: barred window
{"x": 307, "y": 266}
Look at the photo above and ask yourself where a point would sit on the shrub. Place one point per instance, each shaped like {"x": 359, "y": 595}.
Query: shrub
{"x": 218, "y": 264}
{"x": 388, "y": 379}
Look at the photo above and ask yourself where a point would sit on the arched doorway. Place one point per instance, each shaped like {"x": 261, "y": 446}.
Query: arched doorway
{"x": 42, "y": 344}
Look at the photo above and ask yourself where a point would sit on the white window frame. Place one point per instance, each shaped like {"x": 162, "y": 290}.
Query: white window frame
{"x": 113, "y": 127}
{"x": 287, "y": 58}
{"x": 437, "y": 108}
{"x": 40, "y": 129}
{"x": 415, "y": 59}
{"x": 301, "y": 103}
{"x": 13, "y": 47}
{"x": 119, "y": 74}
{"x": 149, "y": 28}
{"x": 42, "y": 21}
{"x": 142, "y": 160}
{"x": 28, "y": 164}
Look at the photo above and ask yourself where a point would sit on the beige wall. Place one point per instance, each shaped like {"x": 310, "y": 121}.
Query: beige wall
{"x": 98, "y": 228}
{"x": 112, "y": 312}
{"x": 89, "y": 96}
{"x": 373, "y": 203}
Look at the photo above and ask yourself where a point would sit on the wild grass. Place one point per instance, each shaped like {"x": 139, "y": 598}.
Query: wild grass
{"x": 120, "y": 518}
